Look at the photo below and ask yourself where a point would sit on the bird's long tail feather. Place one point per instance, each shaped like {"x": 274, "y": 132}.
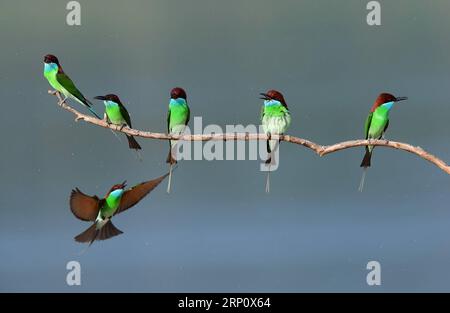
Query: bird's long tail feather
{"x": 365, "y": 163}
{"x": 170, "y": 178}
{"x": 115, "y": 135}
{"x": 93, "y": 112}
{"x": 268, "y": 181}
{"x": 171, "y": 160}
{"x": 138, "y": 155}
{"x": 92, "y": 233}
{"x": 89, "y": 105}
{"x": 132, "y": 143}
{"x": 366, "y": 160}
{"x": 363, "y": 179}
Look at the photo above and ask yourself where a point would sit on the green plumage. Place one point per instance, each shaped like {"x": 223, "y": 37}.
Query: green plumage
{"x": 178, "y": 115}
{"x": 275, "y": 120}
{"x": 117, "y": 114}
{"x": 111, "y": 204}
{"x": 376, "y": 124}
{"x": 177, "y": 118}
{"x": 64, "y": 85}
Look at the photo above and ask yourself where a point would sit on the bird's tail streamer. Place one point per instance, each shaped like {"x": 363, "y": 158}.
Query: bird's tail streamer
{"x": 138, "y": 155}
{"x": 363, "y": 179}
{"x": 95, "y": 113}
{"x": 268, "y": 181}
{"x": 171, "y": 160}
{"x": 115, "y": 135}
{"x": 170, "y": 178}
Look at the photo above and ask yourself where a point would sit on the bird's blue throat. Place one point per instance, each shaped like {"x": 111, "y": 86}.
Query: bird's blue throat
{"x": 388, "y": 105}
{"x": 110, "y": 104}
{"x": 50, "y": 67}
{"x": 175, "y": 102}
{"x": 271, "y": 102}
{"x": 116, "y": 193}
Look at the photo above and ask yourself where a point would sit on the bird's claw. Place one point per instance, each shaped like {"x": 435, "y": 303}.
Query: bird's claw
{"x": 60, "y": 103}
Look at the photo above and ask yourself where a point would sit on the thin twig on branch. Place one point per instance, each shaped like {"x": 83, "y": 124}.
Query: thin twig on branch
{"x": 318, "y": 149}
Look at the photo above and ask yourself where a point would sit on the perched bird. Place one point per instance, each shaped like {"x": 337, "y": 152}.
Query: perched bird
{"x": 275, "y": 119}
{"x": 117, "y": 114}
{"x": 376, "y": 124}
{"x": 177, "y": 119}
{"x": 100, "y": 211}
{"x": 62, "y": 83}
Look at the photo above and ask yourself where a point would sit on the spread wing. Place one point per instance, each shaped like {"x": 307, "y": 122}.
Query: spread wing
{"x": 84, "y": 207}
{"x": 367, "y": 125}
{"x": 136, "y": 193}
{"x": 68, "y": 84}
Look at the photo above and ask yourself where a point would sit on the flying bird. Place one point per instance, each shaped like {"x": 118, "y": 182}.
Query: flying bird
{"x": 100, "y": 211}
{"x": 177, "y": 119}
{"x": 275, "y": 119}
{"x": 62, "y": 83}
{"x": 117, "y": 114}
{"x": 376, "y": 125}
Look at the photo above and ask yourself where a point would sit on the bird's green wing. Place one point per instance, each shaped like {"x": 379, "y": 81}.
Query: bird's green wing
{"x": 188, "y": 115}
{"x": 367, "y": 125}
{"x": 125, "y": 114}
{"x": 262, "y": 113}
{"x": 136, "y": 193}
{"x": 168, "y": 121}
{"x": 68, "y": 84}
{"x": 385, "y": 127}
{"x": 84, "y": 207}
{"x": 168, "y": 127}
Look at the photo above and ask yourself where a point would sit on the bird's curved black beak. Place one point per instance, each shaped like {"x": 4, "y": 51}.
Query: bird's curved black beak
{"x": 264, "y": 96}
{"x": 100, "y": 98}
{"x": 400, "y": 99}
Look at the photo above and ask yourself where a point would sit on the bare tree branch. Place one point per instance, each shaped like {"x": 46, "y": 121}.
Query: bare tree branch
{"x": 318, "y": 149}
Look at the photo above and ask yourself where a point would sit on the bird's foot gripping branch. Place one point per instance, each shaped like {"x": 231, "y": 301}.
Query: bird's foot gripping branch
{"x": 320, "y": 150}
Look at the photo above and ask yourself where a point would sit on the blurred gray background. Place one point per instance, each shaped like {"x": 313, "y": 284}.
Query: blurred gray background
{"x": 218, "y": 230}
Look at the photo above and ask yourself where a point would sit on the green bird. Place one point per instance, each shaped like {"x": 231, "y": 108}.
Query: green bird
{"x": 376, "y": 125}
{"x": 275, "y": 120}
{"x": 62, "y": 83}
{"x": 177, "y": 119}
{"x": 100, "y": 211}
{"x": 117, "y": 114}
